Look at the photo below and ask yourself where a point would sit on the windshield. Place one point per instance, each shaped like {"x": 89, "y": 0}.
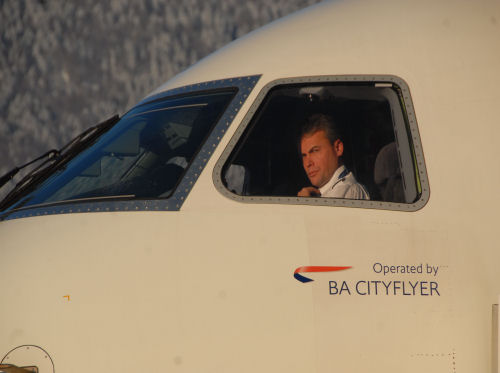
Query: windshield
{"x": 143, "y": 156}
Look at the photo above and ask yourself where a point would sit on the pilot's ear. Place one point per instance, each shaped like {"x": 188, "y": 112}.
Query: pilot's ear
{"x": 338, "y": 147}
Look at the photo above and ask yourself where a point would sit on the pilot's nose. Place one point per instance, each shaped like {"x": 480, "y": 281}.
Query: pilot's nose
{"x": 307, "y": 162}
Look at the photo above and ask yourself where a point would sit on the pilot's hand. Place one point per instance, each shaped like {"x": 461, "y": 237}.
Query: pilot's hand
{"x": 309, "y": 192}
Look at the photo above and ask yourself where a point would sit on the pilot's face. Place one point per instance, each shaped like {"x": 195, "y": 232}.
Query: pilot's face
{"x": 320, "y": 158}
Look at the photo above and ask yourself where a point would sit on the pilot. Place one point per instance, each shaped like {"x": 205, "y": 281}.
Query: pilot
{"x": 322, "y": 149}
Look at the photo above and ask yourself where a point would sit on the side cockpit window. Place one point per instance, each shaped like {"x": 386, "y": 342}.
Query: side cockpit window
{"x": 344, "y": 140}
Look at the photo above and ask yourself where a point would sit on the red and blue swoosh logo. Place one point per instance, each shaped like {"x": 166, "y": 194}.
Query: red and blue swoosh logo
{"x": 308, "y": 269}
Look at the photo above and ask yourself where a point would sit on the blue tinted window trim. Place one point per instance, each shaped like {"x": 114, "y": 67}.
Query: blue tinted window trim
{"x": 244, "y": 87}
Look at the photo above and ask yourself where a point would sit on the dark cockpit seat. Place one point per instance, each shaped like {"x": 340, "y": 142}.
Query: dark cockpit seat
{"x": 387, "y": 174}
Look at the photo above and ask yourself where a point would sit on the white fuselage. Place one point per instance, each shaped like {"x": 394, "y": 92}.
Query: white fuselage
{"x": 210, "y": 288}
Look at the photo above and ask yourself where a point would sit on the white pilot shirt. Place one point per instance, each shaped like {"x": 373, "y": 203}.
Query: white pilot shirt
{"x": 343, "y": 184}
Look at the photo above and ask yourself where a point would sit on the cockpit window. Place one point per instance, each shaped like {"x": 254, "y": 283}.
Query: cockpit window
{"x": 142, "y": 157}
{"x": 348, "y": 140}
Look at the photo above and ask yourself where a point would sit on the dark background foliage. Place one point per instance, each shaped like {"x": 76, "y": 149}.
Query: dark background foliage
{"x": 67, "y": 65}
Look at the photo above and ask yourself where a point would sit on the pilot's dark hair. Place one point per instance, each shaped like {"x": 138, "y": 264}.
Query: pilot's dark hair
{"x": 320, "y": 122}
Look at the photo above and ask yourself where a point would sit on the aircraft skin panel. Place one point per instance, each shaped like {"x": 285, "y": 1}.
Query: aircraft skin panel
{"x": 133, "y": 297}
{"x": 437, "y": 330}
{"x": 117, "y": 282}
{"x": 363, "y": 37}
